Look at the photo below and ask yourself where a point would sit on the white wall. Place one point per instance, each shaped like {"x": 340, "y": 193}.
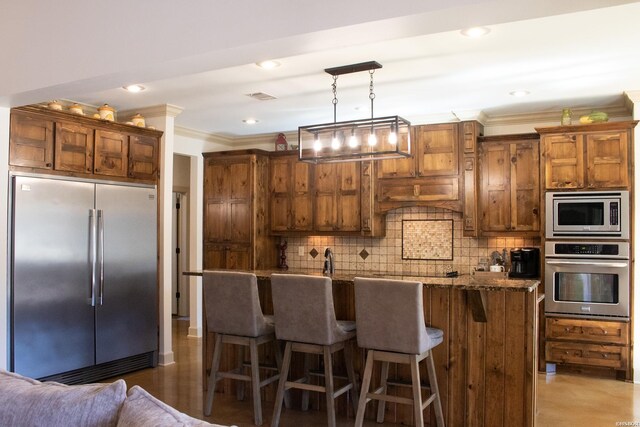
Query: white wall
{"x": 180, "y": 172}
{"x": 634, "y": 98}
{"x": 4, "y": 201}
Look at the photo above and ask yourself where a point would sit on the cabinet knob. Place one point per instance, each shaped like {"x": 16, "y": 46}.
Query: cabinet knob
{"x": 567, "y": 329}
{"x": 606, "y": 356}
{"x": 48, "y": 165}
{"x": 604, "y": 332}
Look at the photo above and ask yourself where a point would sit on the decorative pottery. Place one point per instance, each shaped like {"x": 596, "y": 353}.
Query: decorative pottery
{"x": 55, "y": 105}
{"x": 96, "y": 116}
{"x": 138, "y": 120}
{"x": 565, "y": 120}
{"x": 76, "y": 109}
{"x": 106, "y": 112}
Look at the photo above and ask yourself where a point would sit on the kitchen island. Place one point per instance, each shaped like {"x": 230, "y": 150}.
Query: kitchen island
{"x": 486, "y": 365}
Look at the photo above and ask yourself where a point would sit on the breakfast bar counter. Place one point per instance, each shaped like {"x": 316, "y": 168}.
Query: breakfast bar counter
{"x": 486, "y": 366}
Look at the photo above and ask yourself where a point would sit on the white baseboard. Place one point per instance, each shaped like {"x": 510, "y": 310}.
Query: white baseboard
{"x": 166, "y": 359}
{"x": 194, "y": 333}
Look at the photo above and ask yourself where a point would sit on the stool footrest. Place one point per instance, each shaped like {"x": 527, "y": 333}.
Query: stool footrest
{"x": 304, "y": 386}
{"x": 318, "y": 373}
{"x": 399, "y": 382}
{"x": 261, "y": 366}
{"x": 342, "y": 390}
{"x": 269, "y": 380}
{"x": 233, "y": 376}
{"x": 389, "y": 398}
{"x": 428, "y": 401}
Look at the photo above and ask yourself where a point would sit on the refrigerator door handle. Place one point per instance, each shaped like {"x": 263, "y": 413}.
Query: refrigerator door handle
{"x": 101, "y": 254}
{"x": 92, "y": 254}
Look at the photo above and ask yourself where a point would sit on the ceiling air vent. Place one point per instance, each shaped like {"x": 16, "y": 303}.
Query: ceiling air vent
{"x": 261, "y": 96}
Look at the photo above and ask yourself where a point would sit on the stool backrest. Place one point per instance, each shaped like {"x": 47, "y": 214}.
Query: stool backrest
{"x": 231, "y": 303}
{"x": 389, "y": 315}
{"x": 303, "y": 308}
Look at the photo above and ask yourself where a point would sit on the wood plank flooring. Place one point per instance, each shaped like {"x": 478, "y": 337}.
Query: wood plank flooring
{"x": 563, "y": 400}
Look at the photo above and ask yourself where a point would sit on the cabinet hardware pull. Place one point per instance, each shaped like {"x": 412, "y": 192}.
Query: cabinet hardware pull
{"x": 48, "y": 165}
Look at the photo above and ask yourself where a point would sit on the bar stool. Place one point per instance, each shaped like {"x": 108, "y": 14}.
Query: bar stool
{"x": 390, "y": 322}
{"x": 233, "y": 312}
{"x": 306, "y": 320}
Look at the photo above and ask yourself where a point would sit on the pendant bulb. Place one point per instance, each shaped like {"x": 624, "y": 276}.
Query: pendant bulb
{"x": 372, "y": 139}
{"x": 393, "y": 136}
{"x": 335, "y": 142}
{"x": 317, "y": 145}
{"x": 353, "y": 140}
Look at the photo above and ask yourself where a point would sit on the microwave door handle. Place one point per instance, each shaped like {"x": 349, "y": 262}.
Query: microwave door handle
{"x": 606, "y": 264}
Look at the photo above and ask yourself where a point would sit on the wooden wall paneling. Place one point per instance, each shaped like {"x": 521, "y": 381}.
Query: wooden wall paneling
{"x": 438, "y": 306}
{"x": 515, "y": 346}
{"x": 531, "y": 357}
{"x": 495, "y": 360}
{"x": 477, "y": 351}
{"x": 458, "y": 319}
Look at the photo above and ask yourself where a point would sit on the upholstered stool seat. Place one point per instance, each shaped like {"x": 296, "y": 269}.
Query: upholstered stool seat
{"x": 390, "y": 324}
{"x": 233, "y": 312}
{"x": 306, "y": 320}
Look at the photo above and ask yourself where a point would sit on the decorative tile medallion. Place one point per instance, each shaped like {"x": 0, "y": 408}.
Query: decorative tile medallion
{"x": 364, "y": 254}
{"x": 427, "y": 239}
{"x": 313, "y": 253}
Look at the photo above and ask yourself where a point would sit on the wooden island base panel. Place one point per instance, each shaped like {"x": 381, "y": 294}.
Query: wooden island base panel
{"x": 486, "y": 365}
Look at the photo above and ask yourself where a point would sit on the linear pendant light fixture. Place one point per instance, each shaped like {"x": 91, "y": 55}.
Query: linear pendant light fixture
{"x": 374, "y": 138}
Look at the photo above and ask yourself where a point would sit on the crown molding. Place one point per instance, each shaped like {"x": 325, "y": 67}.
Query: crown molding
{"x": 204, "y": 136}
{"x": 631, "y": 97}
{"x": 234, "y": 141}
{"x": 163, "y": 110}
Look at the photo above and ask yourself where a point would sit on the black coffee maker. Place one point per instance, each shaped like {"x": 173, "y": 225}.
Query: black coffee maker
{"x": 525, "y": 262}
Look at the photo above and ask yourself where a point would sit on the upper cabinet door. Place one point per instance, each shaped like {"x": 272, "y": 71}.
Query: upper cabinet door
{"x": 74, "y": 147}
{"x": 215, "y": 179}
{"x": 143, "y": 157}
{"x": 607, "y": 160}
{"x": 437, "y": 149}
{"x": 31, "y": 142}
{"x": 239, "y": 178}
{"x": 301, "y": 201}
{"x": 496, "y": 197}
{"x": 111, "y": 153}
{"x": 525, "y": 186}
{"x": 564, "y": 160}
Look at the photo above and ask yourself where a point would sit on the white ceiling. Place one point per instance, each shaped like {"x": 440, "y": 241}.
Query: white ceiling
{"x": 201, "y": 57}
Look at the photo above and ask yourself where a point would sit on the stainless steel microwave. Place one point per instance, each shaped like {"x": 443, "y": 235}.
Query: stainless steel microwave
{"x": 587, "y": 214}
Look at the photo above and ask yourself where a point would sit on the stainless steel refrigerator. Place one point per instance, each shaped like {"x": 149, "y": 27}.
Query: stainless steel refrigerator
{"x": 84, "y": 301}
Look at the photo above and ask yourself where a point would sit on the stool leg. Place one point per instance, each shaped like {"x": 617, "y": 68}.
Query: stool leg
{"x": 305, "y": 393}
{"x": 433, "y": 385}
{"x": 328, "y": 378}
{"x": 211, "y": 386}
{"x": 278, "y": 354}
{"x": 284, "y": 373}
{"x": 384, "y": 374}
{"x": 240, "y": 384}
{"x": 417, "y": 393}
{"x": 366, "y": 380}
{"x": 348, "y": 361}
{"x": 255, "y": 381}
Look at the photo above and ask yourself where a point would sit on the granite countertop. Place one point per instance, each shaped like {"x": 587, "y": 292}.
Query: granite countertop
{"x": 463, "y": 281}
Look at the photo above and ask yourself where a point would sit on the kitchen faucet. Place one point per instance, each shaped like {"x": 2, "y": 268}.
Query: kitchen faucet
{"x": 329, "y": 268}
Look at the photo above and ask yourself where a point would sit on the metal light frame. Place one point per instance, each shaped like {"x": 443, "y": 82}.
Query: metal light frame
{"x": 374, "y": 138}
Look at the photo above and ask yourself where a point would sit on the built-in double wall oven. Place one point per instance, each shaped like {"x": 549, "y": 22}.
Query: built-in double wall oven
{"x": 587, "y": 262}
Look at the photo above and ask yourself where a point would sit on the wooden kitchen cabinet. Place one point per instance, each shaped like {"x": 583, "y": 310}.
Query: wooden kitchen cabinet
{"x": 31, "y": 141}
{"x": 337, "y": 196}
{"x": 67, "y": 144}
{"x": 236, "y": 216}
{"x": 291, "y": 198}
{"x": 143, "y": 157}
{"x": 592, "y": 343}
{"x": 431, "y": 177}
{"x": 509, "y": 182}
{"x": 74, "y": 147}
{"x": 594, "y": 156}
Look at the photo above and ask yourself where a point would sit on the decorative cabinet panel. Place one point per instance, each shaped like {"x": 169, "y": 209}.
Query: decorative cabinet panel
{"x": 290, "y": 190}
{"x": 337, "y": 196}
{"x": 143, "y": 157}
{"x": 31, "y": 141}
{"x": 74, "y": 147}
{"x": 509, "y": 183}
{"x": 432, "y": 176}
{"x": 470, "y": 133}
{"x": 69, "y": 144}
{"x": 236, "y": 219}
{"x": 595, "y": 343}
{"x": 595, "y": 156}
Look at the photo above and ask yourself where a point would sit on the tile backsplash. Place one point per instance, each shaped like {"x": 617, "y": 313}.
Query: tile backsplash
{"x": 384, "y": 255}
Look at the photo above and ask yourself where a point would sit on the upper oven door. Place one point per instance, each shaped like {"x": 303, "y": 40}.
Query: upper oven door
{"x": 590, "y": 215}
{"x": 587, "y": 287}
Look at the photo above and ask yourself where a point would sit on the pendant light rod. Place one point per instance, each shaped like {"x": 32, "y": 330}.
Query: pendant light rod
{"x": 353, "y": 68}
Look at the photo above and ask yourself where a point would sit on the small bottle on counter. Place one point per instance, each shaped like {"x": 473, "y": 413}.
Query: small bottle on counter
{"x": 566, "y": 117}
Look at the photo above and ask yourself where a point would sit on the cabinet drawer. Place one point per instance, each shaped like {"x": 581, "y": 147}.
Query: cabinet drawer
{"x": 609, "y": 356}
{"x": 587, "y": 330}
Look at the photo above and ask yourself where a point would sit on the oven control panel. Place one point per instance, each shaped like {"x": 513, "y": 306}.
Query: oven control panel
{"x": 564, "y": 249}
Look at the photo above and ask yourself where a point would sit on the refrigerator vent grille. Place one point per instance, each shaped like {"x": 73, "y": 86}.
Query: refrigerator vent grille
{"x": 96, "y": 373}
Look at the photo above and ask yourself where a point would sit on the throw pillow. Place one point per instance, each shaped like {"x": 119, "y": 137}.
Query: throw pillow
{"x": 27, "y": 402}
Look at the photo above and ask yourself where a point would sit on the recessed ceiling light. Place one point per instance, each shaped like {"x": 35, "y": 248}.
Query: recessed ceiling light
{"x": 475, "y": 32}
{"x": 134, "y": 88}
{"x": 250, "y": 121}
{"x": 519, "y": 93}
{"x": 268, "y": 65}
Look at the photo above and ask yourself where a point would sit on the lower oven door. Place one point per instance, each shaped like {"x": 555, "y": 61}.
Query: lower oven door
{"x": 587, "y": 287}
